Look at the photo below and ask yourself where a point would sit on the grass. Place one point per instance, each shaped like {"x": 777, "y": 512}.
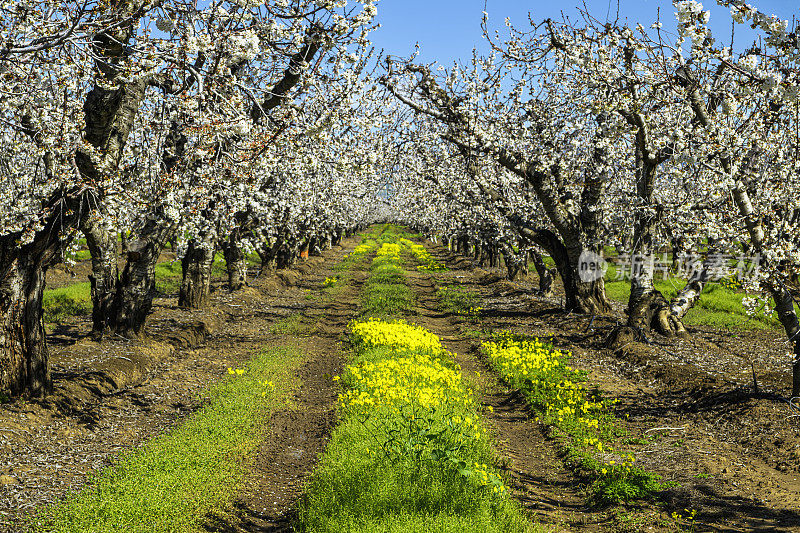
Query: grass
{"x": 459, "y": 301}
{"x": 168, "y": 277}
{"x": 401, "y": 462}
{"x": 177, "y": 479}
{"x": 291, "y": 325}
{"x": 718, "y": 306}
{"x": 386, "y": 292}
{"x": 72, "y": 300}
{"x": 381, "y": 299}
{"x": 387, "y": 273}
{"x": 80, "y": 255}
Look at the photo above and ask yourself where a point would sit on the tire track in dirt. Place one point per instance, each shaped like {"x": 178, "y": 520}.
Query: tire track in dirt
{"x": 298, "y": 434}
{"x": 533, "y": 470}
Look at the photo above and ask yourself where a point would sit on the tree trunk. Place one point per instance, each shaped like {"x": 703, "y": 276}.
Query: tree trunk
{"x": 282, "y": 256}
{"x": 545, "y": 274}
{"x": 24, "y": 358}
{"x": 469, "y": 248}
{"x": 647, "y": 307}
{"x": 102, "y": 243}
{"x": 196, "y": 282}
{"x": 313, "y": 247}
{"x": 236, "y": 263}
{"x": 136, "y": 288}
{"x": 784, "y": 306}
{"x": 678, "y": 248}
{"x": 267, "y": 253}
{"x": 124, "y": 242}
{"x": 461, "y": 245}
{"x": 584, "y": 293}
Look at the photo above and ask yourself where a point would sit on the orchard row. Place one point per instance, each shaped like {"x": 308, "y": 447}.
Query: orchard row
{"x": 277, "y": 128}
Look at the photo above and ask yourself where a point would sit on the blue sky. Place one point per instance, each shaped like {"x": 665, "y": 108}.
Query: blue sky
{"x": 448, "y": 29}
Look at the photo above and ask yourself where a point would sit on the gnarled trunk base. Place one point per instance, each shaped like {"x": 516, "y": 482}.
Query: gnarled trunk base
{"x": 196, "y": 282}
{"x": 24, "y": 357}
{"x": 648, "y": 313}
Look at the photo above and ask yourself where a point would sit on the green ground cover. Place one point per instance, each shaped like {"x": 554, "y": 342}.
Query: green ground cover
{"x": 410, "y": 453}
{"x": 174, "y": 481}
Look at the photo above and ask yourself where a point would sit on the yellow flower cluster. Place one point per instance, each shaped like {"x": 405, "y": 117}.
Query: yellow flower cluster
{"x": 557, "y": 392}
{"x": 542, "y": 370}
{"x": 397, "y": 334}
{"x": 269, "y": 384}
{"x": 623, "y": 467}
{"x": 416, "y": 391}
{"x": 529, "y": 359}
{"x": 329, "y": 282}
{"x": 417, "y": 379}
{"x": 362, "y": 249}
{"x": 390, "y": 249}
{"x": 427, "y": 262}
{"x": 690, "y": 516}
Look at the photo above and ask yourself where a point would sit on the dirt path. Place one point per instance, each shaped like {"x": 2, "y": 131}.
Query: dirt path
{"x": 47, "y": 451}
{"x": 299, "y": 433}
{"x": 701, "y": 432}
{"x": 533, "y": 469}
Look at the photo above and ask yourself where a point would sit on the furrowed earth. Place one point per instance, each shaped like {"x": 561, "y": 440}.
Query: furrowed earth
{"x": 707, "y": 413}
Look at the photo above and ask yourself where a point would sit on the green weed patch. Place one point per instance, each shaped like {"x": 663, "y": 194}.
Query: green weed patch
{"x": 410, "y": 453}
{"x": 62, "y": 303}
{"x": 177, "y": 479}
{"x": 459, "y": 301}
{"x": 590, "y": 430}
{"x": 386, "y": 292}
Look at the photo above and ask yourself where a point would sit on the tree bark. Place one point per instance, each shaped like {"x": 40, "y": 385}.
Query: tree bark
{"x": 24, "y": 356}
{"x": 313, "y": 247}
{"x": 236, "y": 263}
{"x": 102, "y": 243}
{"x": 267, "y": 253}
{"x": 109, "y": 113}
{"x": 647, "y": 308}
{"x": 136, "y": 288}
{"x": 581, "y": 296}
{"x": 783, "y": 299}
{"x": 545, "y": 274}
{"x": 196, "y": 282}
{"x": 784, "y": 306}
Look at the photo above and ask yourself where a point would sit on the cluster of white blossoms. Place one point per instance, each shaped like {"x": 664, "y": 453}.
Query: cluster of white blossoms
{"x": 244, "y": 47}
{"x": 207, "y": 72}
{"x": 749, "y": 62}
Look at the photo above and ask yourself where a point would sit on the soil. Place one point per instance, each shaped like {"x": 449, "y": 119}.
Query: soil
{"x": 111, "y": 397}
{"x": 728, "y": 449}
